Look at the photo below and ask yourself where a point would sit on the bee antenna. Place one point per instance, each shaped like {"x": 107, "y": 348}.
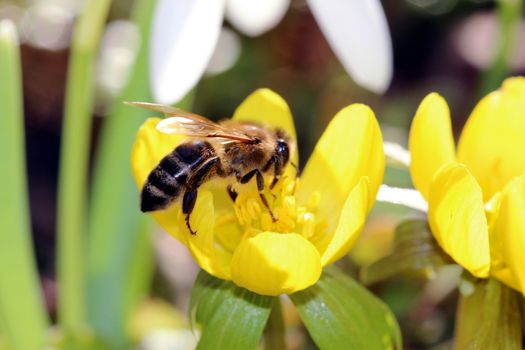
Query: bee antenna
{"x": 297, "y": 172}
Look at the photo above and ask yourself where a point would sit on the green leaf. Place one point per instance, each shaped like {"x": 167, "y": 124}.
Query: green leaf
{"x": 120, "y": 261}
{"x": 231, "y": 317}
{"x": 23, "y": 317}
{"x": 74, "y": 159}
{"x": 339, "y": 313}
{"x": 414, "y": 252}
{"x": 489, "y": 318}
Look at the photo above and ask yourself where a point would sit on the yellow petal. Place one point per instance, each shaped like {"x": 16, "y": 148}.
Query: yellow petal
{"x": 267, "y": 107}
{"x": 351, "y": 147}
{"x": 509, "y": 229}
{"x": 493, "y": 140}
{"x": 498, "y": 267}
{"x": 149, "y": 148}
{"x": 430, "y": 142}
{"x": 497, "y": 261}
{"x": 350, "y": 224}
{"x": 275, "y": 263}
{"x": 457, "y": 218}
{"x": 203, "y": 247}
{"x": 227, "y": 230}
{"x": 506, "y": 276}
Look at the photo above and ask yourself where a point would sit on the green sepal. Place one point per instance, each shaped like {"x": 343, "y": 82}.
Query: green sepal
{"x": 488, "y": 318}
{"x": 231, "y": 317}
{"x": 415, "y": 252}
{"x": 340, "y": 313}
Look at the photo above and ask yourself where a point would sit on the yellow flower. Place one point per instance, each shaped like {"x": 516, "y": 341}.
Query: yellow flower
{"x": 319, "y": 216}
{"x": 476, "y": 194}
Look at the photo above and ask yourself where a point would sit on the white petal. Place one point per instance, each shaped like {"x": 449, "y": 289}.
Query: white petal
{"x": 254, "y": 17}
{"x": 226, "y": 52}
{"x": 358, "y": 33}
{"x": 403, "y": 196}
{"x": 183, "y": 38}
{"x": 396, "y": 153}
{"x": 8, "y": 32}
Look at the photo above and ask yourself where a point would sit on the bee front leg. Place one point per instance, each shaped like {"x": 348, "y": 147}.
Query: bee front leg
{"x": 188, "y": 203}
{"x": 277, "y": 172}
{"x": 260, "y": 187}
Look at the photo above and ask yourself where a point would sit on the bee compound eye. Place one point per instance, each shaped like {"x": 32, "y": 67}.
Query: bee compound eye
{"x": 283, "y": 150}
{"x": 282, "y": 147}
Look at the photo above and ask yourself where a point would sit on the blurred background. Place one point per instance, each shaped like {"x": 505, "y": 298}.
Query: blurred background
{"x": 439, "y": 45}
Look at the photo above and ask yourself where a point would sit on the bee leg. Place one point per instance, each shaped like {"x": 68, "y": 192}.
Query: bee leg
{"x": 267, "y": 166}
{"x": 246, "y": 178}
{"x": 260, "y": 187}
{"x": 274, "y": 181}
{"x": 277, "y": 171}
{"x": 188, "y": 203}
{"x": 231, "y": 193}
{"x": 190, "y": 196}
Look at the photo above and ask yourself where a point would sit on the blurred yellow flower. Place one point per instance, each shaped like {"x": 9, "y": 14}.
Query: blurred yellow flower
{"x": 319, "y": 216}
{"x": 476, "y": 194}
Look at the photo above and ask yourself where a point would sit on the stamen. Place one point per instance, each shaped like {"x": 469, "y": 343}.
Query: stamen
{"x": 225, "y": 218}
{"x": 266, "y": 222}
{"x": 290, "y": 217}
{"x": 313, "y": 201}
{"x": 253, "y": 208}
{"x": 246, "y": 215}
{"x": 301, "y": 211}
{"x": 238, "y": 213}
{"x": 289, "y": 186}
{"x": 284, "y": 223}
{"x": 308, "y": 225}
{"x": 289, "y": 206}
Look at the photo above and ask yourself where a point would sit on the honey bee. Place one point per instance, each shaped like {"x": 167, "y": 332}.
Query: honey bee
{"x": 228, "y": 149}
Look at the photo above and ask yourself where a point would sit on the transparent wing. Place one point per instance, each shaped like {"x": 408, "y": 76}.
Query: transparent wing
{"x": 190, "y": 124}
{"x": 167, "y": 110}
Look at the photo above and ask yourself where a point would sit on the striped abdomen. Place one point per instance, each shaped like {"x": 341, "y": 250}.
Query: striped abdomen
{"x": 169, "y": 178}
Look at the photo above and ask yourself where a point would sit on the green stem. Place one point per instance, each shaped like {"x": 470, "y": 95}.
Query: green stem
{"x": 274, "y": 333}
{"x": 76, "y": 131}
{"x": 22, "y": 313}
{"x": 509, "y": 14}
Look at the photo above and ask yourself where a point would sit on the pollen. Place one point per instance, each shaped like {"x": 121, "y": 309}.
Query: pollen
{"x": 288, "y": 215}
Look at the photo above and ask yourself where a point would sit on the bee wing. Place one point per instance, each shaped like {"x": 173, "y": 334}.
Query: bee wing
{"x": 190, "y": 124}
{"x": 166, "y": 109}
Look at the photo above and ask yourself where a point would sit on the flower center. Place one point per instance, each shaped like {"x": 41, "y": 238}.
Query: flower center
{"x": 288, "y": 215}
